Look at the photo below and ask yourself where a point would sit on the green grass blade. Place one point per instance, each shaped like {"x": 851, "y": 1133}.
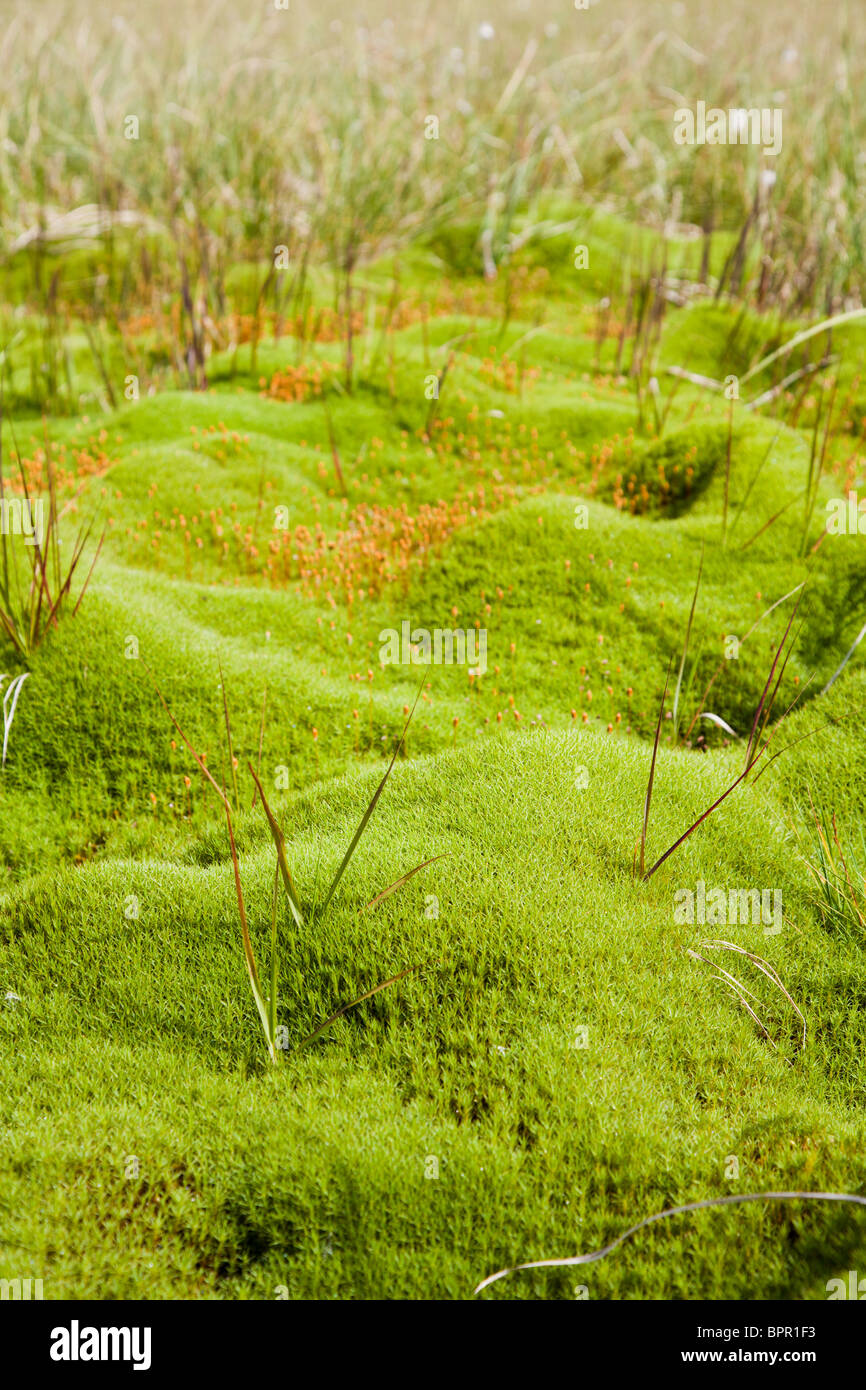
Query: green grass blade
{"x": 386, "y": 893}
{"x": 652, "y": 773}
{"x": 412, "y": 969}
{"x": 686, "y": 643}
{"x": 823, "y": 327}
{"x": 279, "y": 840}
{"x": 261, "y": 741}
{"x": 249, "y": 957}
{"x": 272, "y": 1012}
{"x": 371, "y": 807}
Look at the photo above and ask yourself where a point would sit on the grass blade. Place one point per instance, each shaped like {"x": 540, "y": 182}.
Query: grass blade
{"x": 686, "y": 643}
{"x": 732, "y": 1199}
{"x": 371, "y": 807}
{"x": 411, "y": 970}
{"x": 724, "y": 663}
{"x": 826, "y": 324}
{"x": 762, "y": 701}
{"x": 700, "y": 820}
{"x": 12, "y": 693}
{"x": 841, "y": 667}
{"x": 279, "y": 840}
{"x": 249, "y": 957}
{"x": 272, "y": 1002}
{"x": 261, "y": 741}
{"x": 386, "y": 893}
{"x": 234, "y": 771}
{"x": 649, "y": 788}
{"x": 335, "y": 453}
{"x": 220, "y": 793}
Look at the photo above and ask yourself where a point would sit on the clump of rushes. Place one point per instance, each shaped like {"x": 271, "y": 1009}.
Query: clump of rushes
{"x": 841, "y": 878}
{"x": 266, "y": 999}
{"x": 32, "y": 605}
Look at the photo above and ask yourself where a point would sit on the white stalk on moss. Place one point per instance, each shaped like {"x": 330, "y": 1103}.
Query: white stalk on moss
{"x": 10, "y": 700}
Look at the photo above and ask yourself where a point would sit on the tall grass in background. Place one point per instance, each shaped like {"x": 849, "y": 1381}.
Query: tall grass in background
{"x": 308, "y": 129}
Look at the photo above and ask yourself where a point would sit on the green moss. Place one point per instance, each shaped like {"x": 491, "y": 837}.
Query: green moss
{"x": 134, "y": 1036}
